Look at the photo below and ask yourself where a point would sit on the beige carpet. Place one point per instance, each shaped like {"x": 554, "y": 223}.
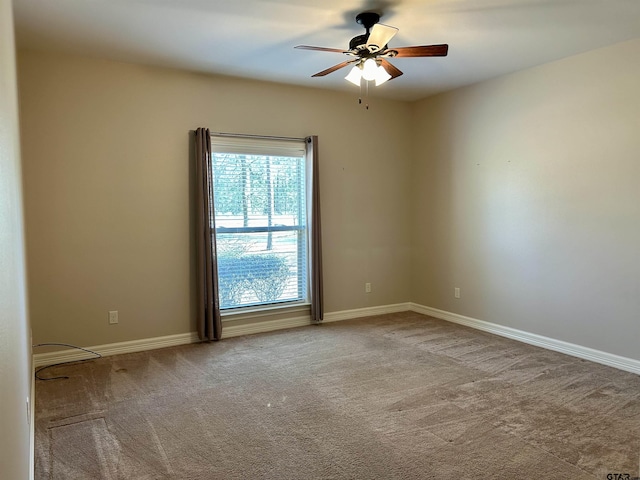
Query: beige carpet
{"x": 399, "y": 396}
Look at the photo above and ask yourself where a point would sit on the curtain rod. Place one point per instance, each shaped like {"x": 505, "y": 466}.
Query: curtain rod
{"x": 240, "y": 135}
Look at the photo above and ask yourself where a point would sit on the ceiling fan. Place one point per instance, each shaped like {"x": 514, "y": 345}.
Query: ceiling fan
{"x": 371, "y": 52}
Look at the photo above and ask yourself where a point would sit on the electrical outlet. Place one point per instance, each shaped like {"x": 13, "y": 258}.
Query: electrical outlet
{"x": 456, "y": 292}
{"x": 367, "y": 288}
{"x": 113, "y": 317}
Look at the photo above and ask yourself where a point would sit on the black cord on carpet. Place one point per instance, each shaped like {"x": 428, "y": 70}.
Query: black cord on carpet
{"x": 97, "y": 355}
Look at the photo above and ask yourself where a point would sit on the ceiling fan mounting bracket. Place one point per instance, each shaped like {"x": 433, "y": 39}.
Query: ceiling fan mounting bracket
{"x": 368, "y": 19}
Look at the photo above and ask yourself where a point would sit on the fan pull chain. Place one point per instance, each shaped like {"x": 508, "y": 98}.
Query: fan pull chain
{"x": 366, "y": 94}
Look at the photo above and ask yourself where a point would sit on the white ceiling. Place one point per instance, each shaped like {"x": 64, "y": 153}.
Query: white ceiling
{"x": 255, "y": 38}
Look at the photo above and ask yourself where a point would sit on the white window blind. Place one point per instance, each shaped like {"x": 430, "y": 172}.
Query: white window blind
{"x": 260, "y": 205}
{"x": 277, "y": 147}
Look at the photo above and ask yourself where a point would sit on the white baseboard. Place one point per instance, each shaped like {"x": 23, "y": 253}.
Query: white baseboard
{"x": 132, "y": 346}
{"x": 263, "y": 326}
{"x": 366, "y": 312}
{"x": 228, "y": 331}
{"x": 586, "y": 353}
{"x": 271, "y": 325}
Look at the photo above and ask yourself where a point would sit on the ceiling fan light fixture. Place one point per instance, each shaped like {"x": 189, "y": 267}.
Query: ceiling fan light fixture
{"x": 369, "y": 69}
{"x": 355, "y": 76}
{"x": 381, "y": 75}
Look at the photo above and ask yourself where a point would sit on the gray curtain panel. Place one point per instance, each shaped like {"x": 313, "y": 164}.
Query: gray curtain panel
{"x": 209, "y": 320}
{"x": 317, "y": 301}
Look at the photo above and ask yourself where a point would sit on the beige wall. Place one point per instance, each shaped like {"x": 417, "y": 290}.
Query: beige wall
{"x": 15, "y": 350}
{"x": 107, "y": 190}
{"x": 526, "y": 197}
{"x": 521, "y": 191}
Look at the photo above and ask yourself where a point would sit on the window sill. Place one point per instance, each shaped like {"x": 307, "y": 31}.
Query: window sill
{"x": 267, "y": 311}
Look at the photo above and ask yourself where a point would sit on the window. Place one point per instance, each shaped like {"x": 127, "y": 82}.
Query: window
{"x": 260, "y": 207}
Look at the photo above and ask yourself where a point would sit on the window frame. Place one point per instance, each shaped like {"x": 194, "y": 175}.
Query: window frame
{"x": 274, "y": 147}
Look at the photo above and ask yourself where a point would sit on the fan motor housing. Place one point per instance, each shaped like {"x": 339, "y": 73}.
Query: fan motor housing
{"x": 355, "y": 42}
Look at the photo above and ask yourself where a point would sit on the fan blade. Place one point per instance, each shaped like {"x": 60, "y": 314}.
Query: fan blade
{"x": 334, "y": 68}
{"x": 391, "y": 69}
{"x": 380, "y": 36}
{"x": 319, "y": 49}
{"x": 422, "y": 51}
